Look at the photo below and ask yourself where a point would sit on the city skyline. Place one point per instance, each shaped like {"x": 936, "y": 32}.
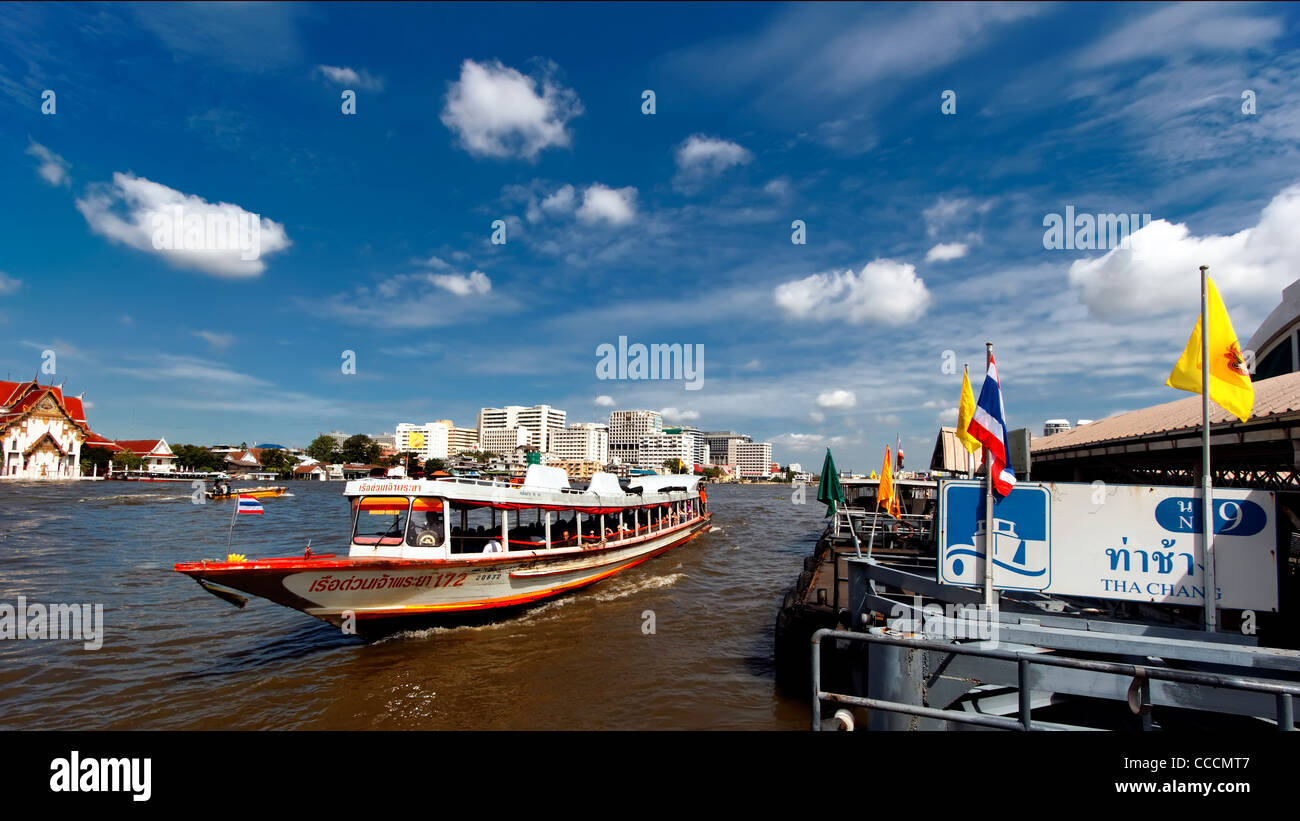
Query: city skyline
{"x": 832, "y": 218}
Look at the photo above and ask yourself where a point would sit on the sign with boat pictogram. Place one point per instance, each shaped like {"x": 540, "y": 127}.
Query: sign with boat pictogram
{"x": 1131, "y": 542}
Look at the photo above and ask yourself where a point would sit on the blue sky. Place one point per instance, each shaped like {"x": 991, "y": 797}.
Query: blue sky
{"x": 924, "y": 230}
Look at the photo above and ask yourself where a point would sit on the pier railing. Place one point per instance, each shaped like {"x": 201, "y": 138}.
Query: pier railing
{"x": 1139, "y": 692}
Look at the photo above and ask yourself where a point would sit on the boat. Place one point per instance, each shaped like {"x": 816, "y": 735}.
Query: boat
{"x": 188, "y": 476}
{"x": 454, "y": 549}
{"x": 256, "y": 492}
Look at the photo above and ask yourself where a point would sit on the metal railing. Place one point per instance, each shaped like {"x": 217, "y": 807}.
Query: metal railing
{"x": 1138, "y": 694}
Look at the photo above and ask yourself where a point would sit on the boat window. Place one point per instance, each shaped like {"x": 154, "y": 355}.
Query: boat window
{"x": 380, "y": 520}
{"x": 425, "y": 528}
{"x": 472, "y": 527}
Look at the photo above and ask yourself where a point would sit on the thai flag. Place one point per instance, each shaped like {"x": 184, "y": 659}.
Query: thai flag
{"x": 249, "y": 504}
{"x": 988, "y": 425}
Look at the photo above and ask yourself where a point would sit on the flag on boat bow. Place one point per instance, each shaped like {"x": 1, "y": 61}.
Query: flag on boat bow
{"x": 988, "y": 426}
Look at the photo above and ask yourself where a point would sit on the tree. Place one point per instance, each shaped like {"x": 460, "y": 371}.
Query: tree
{"x": 127, "y": 459}
{"x": 197, "y": 457}
{"x": 434, "y": 465}
{"x": 95, "y": 460}
{"x": 277, "y": 460}
{"x": 324, "y": 449}
{"x": 360, "y": 449}
{"x": 675, "y": 465}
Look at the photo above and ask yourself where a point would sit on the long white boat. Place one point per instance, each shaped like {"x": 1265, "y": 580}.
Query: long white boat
{"x": 431, "y": 551}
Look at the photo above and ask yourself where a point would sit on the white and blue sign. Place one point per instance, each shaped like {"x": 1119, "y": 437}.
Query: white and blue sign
{"x": 1131, "y": 542}
{"x": 1022, "y": 546}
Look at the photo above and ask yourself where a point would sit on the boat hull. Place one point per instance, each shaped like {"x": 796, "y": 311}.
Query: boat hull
{"x": 378, "y": 595}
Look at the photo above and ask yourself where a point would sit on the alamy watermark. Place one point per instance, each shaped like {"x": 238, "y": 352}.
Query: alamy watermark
{"x": 208, "y": 230}
{"x": 947, "y": 622}
{"x": 1091, "y": 232}
{"x": 655, "y": 361}
{"x": 68, "y": 622}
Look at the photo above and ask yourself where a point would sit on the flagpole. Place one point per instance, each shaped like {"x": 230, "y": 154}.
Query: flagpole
{"x": 230, "y": 535}
{"x": 1207, "y": 494}
{"x": 988, "y": 504}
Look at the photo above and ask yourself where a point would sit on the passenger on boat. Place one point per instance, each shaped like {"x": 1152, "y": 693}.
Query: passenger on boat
{"x": 493, "y": 546}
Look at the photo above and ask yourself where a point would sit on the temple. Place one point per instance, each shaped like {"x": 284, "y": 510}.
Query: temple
{"x": 41, "y": 431}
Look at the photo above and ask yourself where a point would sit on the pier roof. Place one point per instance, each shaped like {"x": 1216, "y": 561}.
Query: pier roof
{"x": 1162, "y": 444}
{"x": 1274, "y": 398}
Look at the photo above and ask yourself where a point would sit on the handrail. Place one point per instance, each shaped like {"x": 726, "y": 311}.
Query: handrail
{"x": 1285, "y": 693}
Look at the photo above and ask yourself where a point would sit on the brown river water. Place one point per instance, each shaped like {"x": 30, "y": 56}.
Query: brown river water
{"x": 175, "y": 657}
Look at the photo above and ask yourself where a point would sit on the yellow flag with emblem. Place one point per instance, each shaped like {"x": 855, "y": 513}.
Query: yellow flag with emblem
{"x": 965, "y": 411}
{"x": 1230, "y": 384}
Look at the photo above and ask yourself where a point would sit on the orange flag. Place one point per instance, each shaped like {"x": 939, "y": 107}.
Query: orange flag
{"x": 886, "y": 495}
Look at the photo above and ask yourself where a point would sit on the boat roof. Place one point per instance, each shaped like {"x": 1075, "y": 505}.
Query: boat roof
{"x": 543, "y": 486}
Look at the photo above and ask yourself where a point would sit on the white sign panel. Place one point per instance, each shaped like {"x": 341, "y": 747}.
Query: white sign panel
{"x": 1130, "y": 542}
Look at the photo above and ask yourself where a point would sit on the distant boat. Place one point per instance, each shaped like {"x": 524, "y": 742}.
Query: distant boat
{"x": 257, "y": 492}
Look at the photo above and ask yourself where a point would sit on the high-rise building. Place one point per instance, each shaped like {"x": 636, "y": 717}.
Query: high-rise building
{"x": 539, "y": 420}
{"x": 503, "y": 441}
{"x": 428, "y": 440}
{"x": 583, "y": 442}
{"x": 627, "y": 428}
{"x": 657, "y": 448}
{"x": 753, "y": 459}
{"x": 700, "y": 452}
{"x": 459, "y": 440}
{"x": 722, "y": 445}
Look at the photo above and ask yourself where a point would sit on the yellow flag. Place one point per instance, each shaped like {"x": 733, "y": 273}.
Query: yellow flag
{"x": 1229, "y": 378}
{"x": 885, "y": 496}
{"x": 964, "y": 413}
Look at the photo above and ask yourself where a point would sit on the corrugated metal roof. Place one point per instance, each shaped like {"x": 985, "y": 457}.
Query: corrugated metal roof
{"x": 1273, "y": 397}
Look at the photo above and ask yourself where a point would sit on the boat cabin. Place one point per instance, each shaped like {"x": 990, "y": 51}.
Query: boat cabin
{"x": 464, "y": 518}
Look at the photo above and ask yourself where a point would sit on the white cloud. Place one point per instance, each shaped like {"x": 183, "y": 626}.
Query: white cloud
{"x": 496, "y": 111}
{"x": 142, "y": 202}
{"x": 817, "y": 416}
{"x": 837, "y": 400}
{"x": 8, "y": 284}
{"x": 476, "y": 282}
{"x": 605, "y": 401}
{"x": 674, "y": 416}
{"x": 1181, "y": 29}
{"x": 436, "y": 262}
{"x": 700, "y": 158}
{"x": 350, "y": 78}
{"x": 216, "y": 340}
{"x": 617, "y": 206}
{"x": 53, "y": 168}
{"x": 883, "y": 291}
{"x": 561, "y": 202}
{"x": 1159, "y": 268}
{"x": 948, "y": 416}
{"x": 945, "y": 251}
{"x": 411, "y": 300}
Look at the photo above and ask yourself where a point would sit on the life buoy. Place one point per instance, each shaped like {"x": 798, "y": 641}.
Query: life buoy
{"x": 898, "y": 528}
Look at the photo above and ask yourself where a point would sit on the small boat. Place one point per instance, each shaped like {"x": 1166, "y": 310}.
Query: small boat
{"x": 257, "y": 492}
{"x": 442, "y": 550}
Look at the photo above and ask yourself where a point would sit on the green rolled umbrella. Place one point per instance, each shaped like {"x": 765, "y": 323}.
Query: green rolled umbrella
{"x": 829, "y": 491}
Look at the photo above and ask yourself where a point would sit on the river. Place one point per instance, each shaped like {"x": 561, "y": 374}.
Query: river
{"x": 175, "y": 657}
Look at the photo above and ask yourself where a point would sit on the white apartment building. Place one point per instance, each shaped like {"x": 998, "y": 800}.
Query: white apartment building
{"x": 652, "y": 451}
{"x": 753, "y": 459}
{"x": 627, "y": 428}
{"x": 504, "y": 440}
{"x": 722, "y": 445}
{"x": 539, "y": 420}
{"x": 583, "y": 442}
{"x": 459, "y": 440}
{"x": 429, "y": 440}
